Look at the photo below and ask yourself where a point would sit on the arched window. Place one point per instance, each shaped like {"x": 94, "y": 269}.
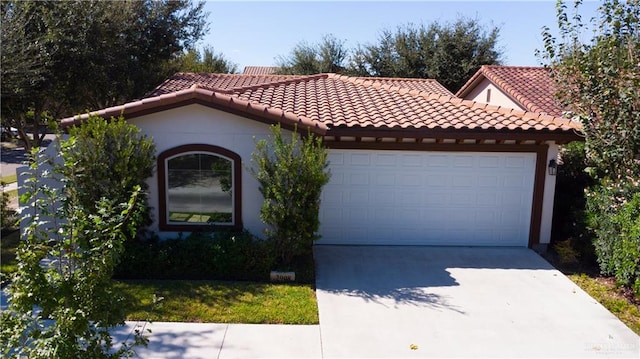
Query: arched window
{"x": 200, "y": 188}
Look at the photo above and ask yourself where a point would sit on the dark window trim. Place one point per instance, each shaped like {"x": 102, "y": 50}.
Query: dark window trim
{"x": 162, "y": 187}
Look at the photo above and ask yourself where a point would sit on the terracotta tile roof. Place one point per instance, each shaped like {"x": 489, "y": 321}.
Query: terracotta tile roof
{"x": 259, "y": 70}
{"x": 423, "y": 85}
{"x": 530, "y": 87}
{"x": 335, "y": 103}
{"x": 225, "y": 83}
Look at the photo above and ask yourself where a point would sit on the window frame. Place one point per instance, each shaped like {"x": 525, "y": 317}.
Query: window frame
{"x": 163, "y": 159}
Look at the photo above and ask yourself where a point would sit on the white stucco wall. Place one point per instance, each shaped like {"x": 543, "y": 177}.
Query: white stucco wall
{"x": 497, "y": 98}
{"x": 196, "y": 124}
{"x": 548, "y": 198}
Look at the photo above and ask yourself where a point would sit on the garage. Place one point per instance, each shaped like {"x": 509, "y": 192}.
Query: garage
{"x": 387, "y": 197}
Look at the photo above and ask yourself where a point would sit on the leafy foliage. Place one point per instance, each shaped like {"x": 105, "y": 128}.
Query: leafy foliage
{"x": 7, "y": 215}
{"x": 599, "y": 81}
{"x": 107, "y": 158}
{"x": 328, "y": 55}
{"x": 63, "y": 57}
{"x": 206, "y": 61}
{"x": 570, "y": 233}
{"x": 450, "y": 53}
{"x": 62, "y": 301}
{"x": 222, "y": 255}
{"x": 291, "y": 176}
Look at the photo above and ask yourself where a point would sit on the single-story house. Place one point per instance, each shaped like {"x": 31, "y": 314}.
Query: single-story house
{"x": 526, "y": 88}
{"x": 411, "y": 164}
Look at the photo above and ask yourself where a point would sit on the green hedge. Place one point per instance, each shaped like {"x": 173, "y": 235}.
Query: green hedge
{"x": 614, "y": 216}
{"x": 223, "y": 255}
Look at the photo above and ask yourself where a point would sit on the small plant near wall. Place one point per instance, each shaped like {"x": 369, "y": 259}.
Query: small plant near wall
{"x": 291, "y": 174}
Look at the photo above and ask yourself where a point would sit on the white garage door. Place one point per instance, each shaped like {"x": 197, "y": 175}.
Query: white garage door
{"x": 427, "y": 198}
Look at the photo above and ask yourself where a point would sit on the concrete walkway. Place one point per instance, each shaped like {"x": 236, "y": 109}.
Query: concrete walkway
{"x": 203, "y": 340}
{"x": 458, "y": 302}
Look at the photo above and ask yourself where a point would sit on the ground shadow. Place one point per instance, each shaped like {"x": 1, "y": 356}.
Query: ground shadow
{"x": 171, "y": 341}
{"x": 408, "y": 274}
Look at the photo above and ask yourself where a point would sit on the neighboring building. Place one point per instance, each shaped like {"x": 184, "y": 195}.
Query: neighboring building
{"x": 410, "y": 163}
{"x": 260, "y": 70}
{"x": 524, "y": 88}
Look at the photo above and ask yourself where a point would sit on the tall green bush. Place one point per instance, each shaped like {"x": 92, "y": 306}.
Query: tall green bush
{"x": 291, "y": 174}
{"x": 614, "y": 216}
{"x": 62, "y": 301}
{"x": 108, "y": 158}
{"x": 598, "y": 80}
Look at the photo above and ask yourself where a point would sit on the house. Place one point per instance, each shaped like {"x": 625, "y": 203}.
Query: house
{"x": 524, "y": 88}
{"x": 410, "y": 163}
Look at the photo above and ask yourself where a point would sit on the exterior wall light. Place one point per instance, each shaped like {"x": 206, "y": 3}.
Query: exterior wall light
{"x": 553, "y": 167}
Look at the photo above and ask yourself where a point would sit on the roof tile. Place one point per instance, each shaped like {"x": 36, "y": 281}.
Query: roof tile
{"x": 531, "y": 87}
{"x": 328, "y": 101}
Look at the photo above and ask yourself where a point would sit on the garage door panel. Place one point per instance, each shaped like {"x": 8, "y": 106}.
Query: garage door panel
{"x": 401, "y": 197}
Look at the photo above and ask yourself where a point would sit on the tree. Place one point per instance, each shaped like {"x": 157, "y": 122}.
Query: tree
{"x": 206, "y": 61}
{"x": 291, "y": 176}
{"x": 328, "y": 55}
{"x": 598, "y": 81}
{"x": 63, "y": 303}
{"x": 450, "y": 53}
{"x": 64, "y": 57}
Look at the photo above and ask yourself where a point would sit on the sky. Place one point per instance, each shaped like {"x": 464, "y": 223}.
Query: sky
{"x": 255, "y": 33}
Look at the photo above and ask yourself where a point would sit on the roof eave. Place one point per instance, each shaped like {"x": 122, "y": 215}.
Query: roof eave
{"x": 559, "y": 136}
{"x": 207, "y": 98}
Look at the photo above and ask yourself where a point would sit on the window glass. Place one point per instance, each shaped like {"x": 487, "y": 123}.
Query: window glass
{"x": 199, "y": 189}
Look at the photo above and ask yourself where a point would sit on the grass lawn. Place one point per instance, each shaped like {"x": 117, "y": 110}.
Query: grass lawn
{"x": 221, "y": 302}
{"x": 9, "y": 179}
{"x": 604, "y": 290}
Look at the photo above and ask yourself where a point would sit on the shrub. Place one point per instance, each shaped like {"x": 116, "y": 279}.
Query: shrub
{"x": 291, "y": 176}
{"x": 223, "y": 255}
{"x": 614, "y": 216}
{"x": 65, "y": 263}
{"x": 571, "y": 238}
{"x": 108, "y": 159}
{"x": 8, "y": 217}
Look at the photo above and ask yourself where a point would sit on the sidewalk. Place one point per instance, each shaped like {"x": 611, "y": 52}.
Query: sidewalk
{"x": 10, "y": 187}
{"x": 211, "y": 340}
{"x": 208, "y": 340}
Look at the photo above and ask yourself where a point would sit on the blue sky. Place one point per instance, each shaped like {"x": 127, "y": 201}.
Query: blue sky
{"x": 257, "y": 32}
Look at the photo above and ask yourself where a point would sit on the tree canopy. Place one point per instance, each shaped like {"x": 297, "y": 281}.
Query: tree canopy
{"x": 599, "y": 80}
{"x": 206, "y": 60}
{"x": 450, "y": 53}
{"x": 64, "y": 57}
{"x": 329, "y": 55}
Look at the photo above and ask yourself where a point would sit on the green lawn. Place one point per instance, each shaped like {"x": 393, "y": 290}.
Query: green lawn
{"x": 9, "y": 179}
{"x": 204, "y": 301}
{"x": 605, "y": 292}
{"x": 221, "y": 302}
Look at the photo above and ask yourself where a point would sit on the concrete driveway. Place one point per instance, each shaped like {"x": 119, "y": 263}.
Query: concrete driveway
{"x": 382, "y": 301}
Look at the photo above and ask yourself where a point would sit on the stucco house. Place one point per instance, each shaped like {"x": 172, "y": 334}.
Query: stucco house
{"x": 411, "y": 164}
{"x": 526, "y": 88}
